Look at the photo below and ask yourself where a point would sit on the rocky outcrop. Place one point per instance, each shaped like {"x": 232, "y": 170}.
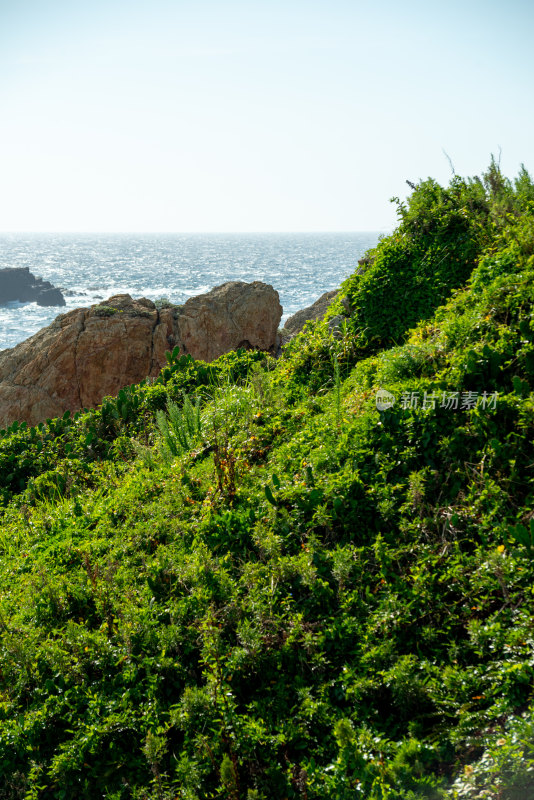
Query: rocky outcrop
{"x": 89, "y": 353}
{"x": 314, "y": 312}
{"x": 229, "y": 317}
{"x": 20, "y": 284}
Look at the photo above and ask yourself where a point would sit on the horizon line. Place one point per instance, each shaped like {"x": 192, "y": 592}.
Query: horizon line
{"x": 186, "y": 233}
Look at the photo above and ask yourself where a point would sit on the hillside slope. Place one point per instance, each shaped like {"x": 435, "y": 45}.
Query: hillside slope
{"x": 243, "y": 580}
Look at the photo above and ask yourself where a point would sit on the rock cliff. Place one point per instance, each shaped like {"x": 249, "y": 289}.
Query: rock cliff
{"x": 89, "y": 353}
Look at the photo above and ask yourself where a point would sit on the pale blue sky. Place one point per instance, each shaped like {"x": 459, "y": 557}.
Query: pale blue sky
{"x": 259, "y": 116}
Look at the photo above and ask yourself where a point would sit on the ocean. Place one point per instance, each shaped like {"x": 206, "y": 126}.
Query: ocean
{"x": 89, "y": 268}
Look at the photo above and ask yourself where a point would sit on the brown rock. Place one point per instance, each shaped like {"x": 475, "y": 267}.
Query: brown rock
{"x": 233, "y": 315}
{"x": 90, "y": 353}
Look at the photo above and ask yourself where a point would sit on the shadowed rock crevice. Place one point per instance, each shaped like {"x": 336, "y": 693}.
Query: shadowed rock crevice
{"x": 82, "y": 328}
{"x": 151, "y": 362}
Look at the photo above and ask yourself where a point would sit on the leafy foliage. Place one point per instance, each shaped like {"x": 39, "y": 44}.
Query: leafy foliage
{"x": 243, "y": 580}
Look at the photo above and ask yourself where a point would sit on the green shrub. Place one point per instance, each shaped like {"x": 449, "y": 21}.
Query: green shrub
{"x": 302, "y": 596}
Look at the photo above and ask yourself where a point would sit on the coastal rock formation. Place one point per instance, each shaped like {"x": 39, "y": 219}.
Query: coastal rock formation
{"x": 89, "y": 353}
{"x": 20, "y": 284}
{"x": 229, "y": 317}
{"x": 314, "y": 312}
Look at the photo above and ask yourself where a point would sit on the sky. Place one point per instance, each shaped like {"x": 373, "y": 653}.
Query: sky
{"x": 198, "y": 116}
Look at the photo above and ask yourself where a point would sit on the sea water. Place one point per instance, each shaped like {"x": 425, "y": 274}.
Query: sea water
{"x": 89, "y": 268}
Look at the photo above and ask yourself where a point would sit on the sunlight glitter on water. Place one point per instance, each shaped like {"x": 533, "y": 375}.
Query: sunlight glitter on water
{"x": 91, "y": 268}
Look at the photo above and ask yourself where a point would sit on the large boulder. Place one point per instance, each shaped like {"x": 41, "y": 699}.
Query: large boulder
{"x": 20, "y": 284}
{"x": 228, "y": 317}
{"x": 89, "y": 353}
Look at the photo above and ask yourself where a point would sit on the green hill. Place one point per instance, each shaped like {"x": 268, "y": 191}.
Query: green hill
{"x": 244, "y": 581}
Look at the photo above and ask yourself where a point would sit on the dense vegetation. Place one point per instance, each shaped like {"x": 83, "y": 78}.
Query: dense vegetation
{"x": 243, "y": 580}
